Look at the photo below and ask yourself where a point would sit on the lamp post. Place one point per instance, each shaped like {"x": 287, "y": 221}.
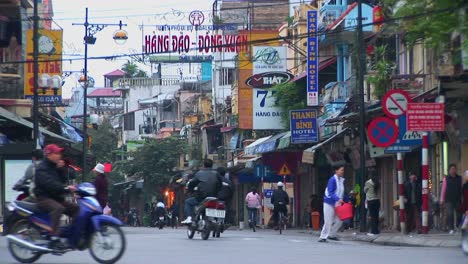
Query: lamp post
{"x": 120, "y": 37}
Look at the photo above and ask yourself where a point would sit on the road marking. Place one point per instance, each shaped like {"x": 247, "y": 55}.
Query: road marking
{"x": 249, "y": 238}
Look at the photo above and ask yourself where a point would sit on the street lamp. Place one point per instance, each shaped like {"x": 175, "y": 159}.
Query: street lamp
{"x": 50, "y": 82}
{"x": 120, "y": 37}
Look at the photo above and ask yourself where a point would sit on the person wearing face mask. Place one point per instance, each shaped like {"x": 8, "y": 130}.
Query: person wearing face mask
{"x": 334, "y": 196}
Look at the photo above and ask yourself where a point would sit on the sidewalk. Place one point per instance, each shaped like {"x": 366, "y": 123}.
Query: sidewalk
{"x": 390, "y": 238}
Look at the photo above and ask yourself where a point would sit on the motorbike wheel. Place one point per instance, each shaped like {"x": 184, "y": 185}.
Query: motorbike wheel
{"x": 190, "y": 232}
{"x": 24, "y": 230}
{"x": 464, "y": 242}
{"x": 161, "y": 225}
{"x": 107, "y": 246}
{"x": 205, "y": 234}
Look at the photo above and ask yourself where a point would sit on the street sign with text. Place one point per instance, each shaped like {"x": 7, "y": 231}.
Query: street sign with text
{"x": 426, "y": 117}
{"x": 407, "y": 138}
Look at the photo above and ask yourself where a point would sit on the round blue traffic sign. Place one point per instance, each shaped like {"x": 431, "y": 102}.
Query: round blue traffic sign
{"x": 382, "y": 132}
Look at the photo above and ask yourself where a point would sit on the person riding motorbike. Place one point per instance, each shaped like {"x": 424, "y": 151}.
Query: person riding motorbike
{"x": 26, "y": 184}
{"x": 205, "y": 183}
{"x": 226, "y": 192}
{"x": 50, "y": 188}
{"x": 280, "y": 200}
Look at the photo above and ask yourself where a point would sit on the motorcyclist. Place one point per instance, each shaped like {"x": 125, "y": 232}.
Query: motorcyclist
{"x": 26, "y": 184}
{"x": 205, "y": 183}
{"x": 226, "y": 192}
{"x": 280, "y": 200}
{"x": 50, "y": 187}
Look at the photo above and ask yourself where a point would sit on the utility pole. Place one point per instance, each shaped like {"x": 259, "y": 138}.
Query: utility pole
{"x": 362, "y": 114}
{"x": 35, "y": 112}
{"x": 85, "y": 97}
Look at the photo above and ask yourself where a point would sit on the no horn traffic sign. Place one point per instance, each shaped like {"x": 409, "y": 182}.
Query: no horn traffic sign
{"x": 395, "y": 103}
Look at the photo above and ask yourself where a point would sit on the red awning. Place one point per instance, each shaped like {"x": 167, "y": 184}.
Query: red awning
{"x": 104, "y": 92}
{"x": 322, "y": 65}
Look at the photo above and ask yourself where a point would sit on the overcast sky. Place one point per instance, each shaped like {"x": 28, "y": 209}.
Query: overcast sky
{"x": 133, "y": 13}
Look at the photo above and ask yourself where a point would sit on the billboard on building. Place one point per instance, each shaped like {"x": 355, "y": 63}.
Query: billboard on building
{"x": 245, "y": 93}
{"x": 50, "y": 66}
{"x": 267, "y": 59}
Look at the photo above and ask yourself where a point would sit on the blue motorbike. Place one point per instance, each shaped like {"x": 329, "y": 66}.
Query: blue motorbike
{"x": 29, "y": 237}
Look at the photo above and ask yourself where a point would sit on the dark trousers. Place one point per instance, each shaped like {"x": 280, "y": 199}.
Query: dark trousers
{"x": 450, "y": 211}
{"x": 276, "y": 210}
{"x": 413, "y": 219}
{"x": 189, "y": 206}
{"x": 253, "y": 214}
{"x": 56, "y": 209}
{"x": 374, "y": 208}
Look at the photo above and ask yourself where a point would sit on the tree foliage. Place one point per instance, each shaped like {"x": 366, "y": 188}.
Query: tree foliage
{"x": 289, "y": 96}
{"x": 431, "y": 20}
{"x": 104, "y": 142}
{"x": 382, "y": 72}
{"x": 155, "y": 160}
{"x": 132, "y": 70}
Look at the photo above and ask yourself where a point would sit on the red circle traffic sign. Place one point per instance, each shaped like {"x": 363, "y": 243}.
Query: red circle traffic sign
{"x": 382, "y": 132}
{"x": 395, "y": 103}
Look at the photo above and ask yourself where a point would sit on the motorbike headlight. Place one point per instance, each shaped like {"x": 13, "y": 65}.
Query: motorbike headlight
{"x": 11, "y": 207}
{"x": 89, "y": 189}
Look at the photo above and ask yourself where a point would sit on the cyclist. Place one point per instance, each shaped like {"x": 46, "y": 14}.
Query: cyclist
{"x": 280, "y": 200}
{"x": 253, "y": 202}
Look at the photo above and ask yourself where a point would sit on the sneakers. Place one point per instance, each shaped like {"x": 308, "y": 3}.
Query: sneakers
{"x": 334, "y": 238}
{"x": 322, "y": 240}
{"x": 187, "y": 221}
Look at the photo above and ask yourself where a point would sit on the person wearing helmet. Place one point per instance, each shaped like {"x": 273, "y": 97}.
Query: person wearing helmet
{"x": 50, "y": 187}
{"x": 101, "y": 184}
{"x": 280, "y": 200}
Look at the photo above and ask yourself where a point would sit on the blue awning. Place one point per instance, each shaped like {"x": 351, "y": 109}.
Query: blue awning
{"x": 269, "y": 144}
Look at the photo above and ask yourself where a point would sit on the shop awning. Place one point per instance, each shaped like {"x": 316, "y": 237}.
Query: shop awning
{"x": 269, "y": 144}
{"x": 19, "y": 120}
{"x": 322, "y": 65}
{"x": 250, "y": 149}
{"x": 285, "y": 141}
{"x": 308, "y": 154}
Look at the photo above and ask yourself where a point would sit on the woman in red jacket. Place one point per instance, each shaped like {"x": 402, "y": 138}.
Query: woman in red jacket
{"x": 101, "y": 184}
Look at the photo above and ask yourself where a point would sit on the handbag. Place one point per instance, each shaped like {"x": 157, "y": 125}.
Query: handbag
{"x": 344, "y": 211}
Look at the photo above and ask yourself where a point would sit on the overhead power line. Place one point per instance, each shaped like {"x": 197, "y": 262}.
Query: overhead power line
{"x": 253, "y": 42}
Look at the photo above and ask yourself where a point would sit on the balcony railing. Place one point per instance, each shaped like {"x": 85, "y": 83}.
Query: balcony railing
{"x": 127, "y": 83}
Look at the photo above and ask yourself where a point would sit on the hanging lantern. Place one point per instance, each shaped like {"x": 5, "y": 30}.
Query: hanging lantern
{"x": 377, "y": 18}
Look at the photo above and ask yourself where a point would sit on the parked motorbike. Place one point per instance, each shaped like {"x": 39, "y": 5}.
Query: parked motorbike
{"x": 132, "y": 219}
{"x": 209, "y": 218}
{"x": 29, "y": 237}
{"x": 464, "y": 242}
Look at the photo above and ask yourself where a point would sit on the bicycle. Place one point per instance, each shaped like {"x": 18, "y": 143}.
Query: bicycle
{"x": 252, "y": 218}
{"x": 282, "y": 220}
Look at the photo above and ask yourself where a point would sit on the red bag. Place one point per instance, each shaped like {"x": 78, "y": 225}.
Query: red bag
{"x": 344, "y": 212}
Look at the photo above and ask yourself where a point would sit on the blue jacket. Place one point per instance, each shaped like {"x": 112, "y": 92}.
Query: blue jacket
{"x": 332, "y": 197}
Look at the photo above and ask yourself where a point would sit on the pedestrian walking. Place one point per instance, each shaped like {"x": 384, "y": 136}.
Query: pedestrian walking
{"x": 450, "y": 197}
{"x": 413, "y": 202}
{"x": 253, "y": 202}
{"x": 372, "y": 191}
{"x": 101, "y": 184}
{"x": 334, "y": 195}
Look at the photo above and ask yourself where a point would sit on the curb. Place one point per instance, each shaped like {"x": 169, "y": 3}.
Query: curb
{"x": 398, "y": 240}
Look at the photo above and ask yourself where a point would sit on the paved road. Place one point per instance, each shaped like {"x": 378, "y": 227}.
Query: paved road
{"x": 167, "y": 246}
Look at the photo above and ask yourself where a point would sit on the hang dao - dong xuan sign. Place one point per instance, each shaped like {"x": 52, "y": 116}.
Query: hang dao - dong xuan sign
{"x": 184, "y": 43}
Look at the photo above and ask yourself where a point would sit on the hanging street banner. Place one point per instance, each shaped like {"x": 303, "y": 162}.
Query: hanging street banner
{"x": 304, "y": 126}
{"x": 312, "y": 58}
{"x": 50, "y": 63}
{"x": 267, "y": 59}
{"x": 426, "y": 117}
